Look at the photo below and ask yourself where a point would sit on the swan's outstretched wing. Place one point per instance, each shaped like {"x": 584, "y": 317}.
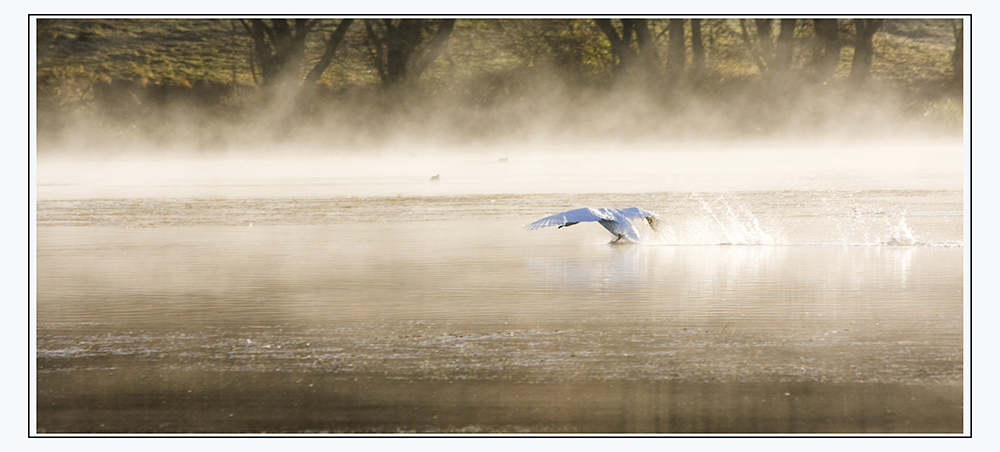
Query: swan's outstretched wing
{"x": 634, "y": 213}
{"x": 569, "y": 218}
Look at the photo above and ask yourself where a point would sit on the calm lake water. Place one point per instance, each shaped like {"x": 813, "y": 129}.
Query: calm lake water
{"x": 812, "y": 301}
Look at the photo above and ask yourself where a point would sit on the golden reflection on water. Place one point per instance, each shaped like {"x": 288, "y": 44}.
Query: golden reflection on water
{"x": 793, "y": 289}
{"x": 451, "y": 326}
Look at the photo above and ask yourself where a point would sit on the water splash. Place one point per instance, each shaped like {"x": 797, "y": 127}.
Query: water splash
{"x": 899, "y": 234}
{"x": 738, "y": 224}
{"x": 719, "y": 220}
{"x": 821, "y": 218}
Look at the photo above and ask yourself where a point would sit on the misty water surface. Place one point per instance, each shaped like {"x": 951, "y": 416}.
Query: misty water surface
{"x": 792, "y": 290}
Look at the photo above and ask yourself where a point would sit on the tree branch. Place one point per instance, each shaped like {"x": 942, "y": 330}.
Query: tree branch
{"x": 331, "y": 47}
{"x": 616, "y": 41}
{"x": 434, "y": 49}
{"x": 375, "y": 49}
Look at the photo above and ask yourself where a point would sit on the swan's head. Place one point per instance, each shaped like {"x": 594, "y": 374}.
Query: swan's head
{"x": 654, "y": 222}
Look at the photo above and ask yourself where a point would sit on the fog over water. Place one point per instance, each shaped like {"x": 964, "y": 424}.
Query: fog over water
{"x": 355, "y": 261}
{"x": 516, "y": 170}
{"x": 791, "y": 289}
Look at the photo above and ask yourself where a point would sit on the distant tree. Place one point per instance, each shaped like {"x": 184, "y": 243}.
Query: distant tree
{"x": 676, "y": 52}
{"x": 279, "y": 48}
{"x": 957, "y": 56}
{"x": 697, "y": 50}
{"x": 760, "y": 44}
{"x": 631, "y": 45}
{"x": 864, "y": 31}
{"x": 402, "y": 49}
{"x": 826, "y": 48}
{"x": 621, "y": 43}
{"x": 332, "y": 43}
{"x": 575, "y": 48}
{"x": 648, "y": 57}
{"x": 770, "y": 57}
{"x": 784, "y": 51}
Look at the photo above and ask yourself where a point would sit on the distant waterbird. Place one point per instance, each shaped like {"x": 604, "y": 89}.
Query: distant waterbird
{"x": 617, "y": 221}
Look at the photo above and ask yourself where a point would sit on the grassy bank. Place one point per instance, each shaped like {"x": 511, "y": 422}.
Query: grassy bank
{"x": 191, "y": 84}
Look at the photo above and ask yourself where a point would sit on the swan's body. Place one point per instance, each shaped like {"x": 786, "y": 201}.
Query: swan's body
{"x": 616, "y": 221}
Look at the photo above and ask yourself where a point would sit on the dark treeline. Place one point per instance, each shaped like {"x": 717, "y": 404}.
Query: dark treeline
{"x": 350, "y": 82}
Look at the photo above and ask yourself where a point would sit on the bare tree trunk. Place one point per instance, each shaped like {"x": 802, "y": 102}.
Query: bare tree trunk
{"x": 754, "y": 46}
{"x": 697, "y": 50}
{"x": 864, "y": 30}
{"x": 331, "y": 47}
{"x": 785, "y": 49}
{"x": 280, "y": 47}
{"x": 434, "y": 48}
{"x": 376, "y": 50}
{"x": 643, "y": 59}
{"x": 764, "y": 44}
{"x": 620, "y": 44}
{"x": 676, "y": 50}
{"x": 234, "y": 57}
{"x": 401, "y": 42}
{"x": 826, "y": 50}
{"x": 394, "y": 46}
{"x": 958, "y": 55}
{"x": 647, "y": 48}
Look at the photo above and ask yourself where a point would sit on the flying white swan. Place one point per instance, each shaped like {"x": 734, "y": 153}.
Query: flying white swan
{"x": 616, "y": 221}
